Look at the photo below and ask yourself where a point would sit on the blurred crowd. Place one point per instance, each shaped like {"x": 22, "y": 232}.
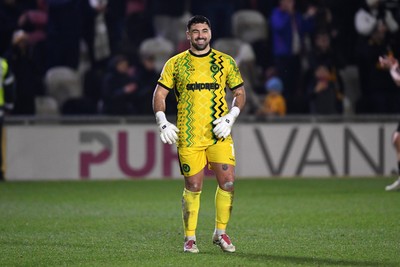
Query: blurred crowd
{"x": 88, "y": 57}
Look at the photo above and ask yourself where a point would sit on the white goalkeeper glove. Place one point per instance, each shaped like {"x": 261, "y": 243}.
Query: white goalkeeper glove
{"x": 224, "y": 124}
{"x": 168, "y": 131}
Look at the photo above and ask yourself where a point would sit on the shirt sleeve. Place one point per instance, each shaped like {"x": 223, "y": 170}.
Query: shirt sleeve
{"x": 234, "y": 79}
{"x": 167, "y": 75}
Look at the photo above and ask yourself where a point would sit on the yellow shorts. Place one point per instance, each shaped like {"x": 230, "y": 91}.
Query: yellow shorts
{"x": 193, "y": 159}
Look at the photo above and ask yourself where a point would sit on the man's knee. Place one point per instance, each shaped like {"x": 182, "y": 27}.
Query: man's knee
{"x": 227, "y": 186}
{"x": 193, "y": 187}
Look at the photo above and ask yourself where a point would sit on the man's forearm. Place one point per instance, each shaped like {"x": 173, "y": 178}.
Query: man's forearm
{"x": 239, "y": 99}
{"x": 159, "y": 100}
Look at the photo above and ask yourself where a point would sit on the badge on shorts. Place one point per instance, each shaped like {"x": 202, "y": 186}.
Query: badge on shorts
{"x": 186, "y": 168}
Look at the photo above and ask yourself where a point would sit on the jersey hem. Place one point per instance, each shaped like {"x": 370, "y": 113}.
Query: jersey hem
{"x": 237, "y": 86}
{"x": 163, "y": 85}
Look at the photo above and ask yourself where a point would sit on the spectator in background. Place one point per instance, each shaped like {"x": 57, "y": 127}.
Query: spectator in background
{"x": 323, "y": 91}
{"x": 25, "y": 65}
{"x": 103, "y": 26}
{"x": 34, "y": 22}
{"x": 95, "y": 31}
{"x": 7, "y": 96}
{"x": 342, "y": 34}
{"x": 376, "y": 26}
{"x": 372, "y": 15}
{"x": 119, "y": 88}
{"x": 63, "y": 33}
{"x": 274, "y": 103}
{"x": 138, "y": 27}
{"x": 115, "y": 17}
{"x": 146, "y": 75}
{"x": 106, "y": 20}
{"x": 288, "y": 29}
{"x": 10, "y": 11}
{"x": 382, "y": 15}
{"x": 322, "y": 53}
{"x": 324, "y": 19}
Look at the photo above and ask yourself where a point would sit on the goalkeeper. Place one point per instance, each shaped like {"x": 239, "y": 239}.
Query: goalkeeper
{"x": 198, "y": 77}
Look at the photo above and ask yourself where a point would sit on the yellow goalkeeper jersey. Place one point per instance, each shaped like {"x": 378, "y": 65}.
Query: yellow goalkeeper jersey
{"x": 199, "y": 84}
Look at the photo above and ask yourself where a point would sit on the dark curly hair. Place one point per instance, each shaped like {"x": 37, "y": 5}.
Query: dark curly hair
{"x": 197, "y": 19}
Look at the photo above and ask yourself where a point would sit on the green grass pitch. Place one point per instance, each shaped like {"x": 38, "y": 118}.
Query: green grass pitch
{"x": 275, "y": 222}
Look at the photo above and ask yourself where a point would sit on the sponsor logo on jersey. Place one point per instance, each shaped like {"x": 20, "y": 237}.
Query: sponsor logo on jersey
{"x": 202, "y": 86}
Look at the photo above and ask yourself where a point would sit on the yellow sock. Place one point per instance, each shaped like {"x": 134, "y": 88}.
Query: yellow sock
{"x": 223, "y": 208}
{"x": 190, "y": 211}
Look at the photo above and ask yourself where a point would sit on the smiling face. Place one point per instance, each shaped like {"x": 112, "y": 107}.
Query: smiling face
{"x": 199, "y": 35}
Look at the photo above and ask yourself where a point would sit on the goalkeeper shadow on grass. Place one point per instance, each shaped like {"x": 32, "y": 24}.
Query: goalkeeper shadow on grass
{"x": 310, "y": 260}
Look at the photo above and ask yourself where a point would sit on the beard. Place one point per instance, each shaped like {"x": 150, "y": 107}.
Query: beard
{"x": 200, "y": 47}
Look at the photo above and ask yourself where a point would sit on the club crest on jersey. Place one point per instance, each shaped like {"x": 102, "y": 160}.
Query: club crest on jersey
{"x": 214, "y": 68}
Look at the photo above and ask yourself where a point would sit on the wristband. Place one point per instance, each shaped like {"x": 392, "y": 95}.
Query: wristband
{"x": 160, "y": 117}
{"x": 235, "y": 111}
